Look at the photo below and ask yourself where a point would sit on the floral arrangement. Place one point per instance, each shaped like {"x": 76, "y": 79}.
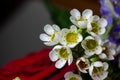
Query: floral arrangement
{"x": 81, "y": 44}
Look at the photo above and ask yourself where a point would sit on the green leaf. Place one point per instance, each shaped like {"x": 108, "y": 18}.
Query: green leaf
{"x": 58, "y": 15}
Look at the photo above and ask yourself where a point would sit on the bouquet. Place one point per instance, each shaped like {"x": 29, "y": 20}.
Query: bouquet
{"x": 81, "y": 43}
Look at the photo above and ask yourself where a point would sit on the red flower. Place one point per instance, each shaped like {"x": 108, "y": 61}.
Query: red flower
{"x": 34, "y": 66}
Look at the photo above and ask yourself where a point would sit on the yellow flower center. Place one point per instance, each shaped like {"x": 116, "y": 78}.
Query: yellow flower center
{"x": 52, "y": 36}
{"x": 91, "y": 44}
{"x": 95, "y": 27}
{"x": 63, "y": 53}
{"x": 72, "y": 78}
{"x": 71, "y": 37}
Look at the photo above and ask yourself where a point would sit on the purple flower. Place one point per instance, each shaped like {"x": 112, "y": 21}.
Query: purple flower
{"x": 110, "y": 9}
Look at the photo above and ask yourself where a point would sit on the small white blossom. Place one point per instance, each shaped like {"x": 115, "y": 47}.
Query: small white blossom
{"x": 61, "y": 54}
{"x": 80, "y": 20}
{"x": 96, "y": 25}
{"x": 70, "y": 37}
{"x": 82, "y": 64}
{"x": 52, "y": 35}
{"x": 71, "y": 76}
{"x": 92, "y": 45}
{"x": 108, "y": 51}
{"x": 16, "y": 78}
{"x": 98, "y": 70}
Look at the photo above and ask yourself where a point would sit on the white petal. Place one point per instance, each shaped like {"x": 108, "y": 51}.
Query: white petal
{"x": 73, "y": 27}
{"x": 72, "y": 19}
{"x": 98, "y": 64}
{"x": 89, "y": 37}
{"x": 104, "y": 75}
{"x": 91, "y": 69}
{"x": 53, "y": 56}
{"x": 72, "y": 45}
{"x": 60, "y": 63}
{"x": 111, "y": 57}
{"x": 82, "y": 24}
{"x": 68, "y": 74}
{"x": 44, "y": 37}
{"x": 75, "y": 13}
{"x": 98, "y": 50}
{"x": 87, "y": 13}
{"x": 112, "y": 51}
{"x": 56, "y": 27}
{"x": 70, "y": 60}
{"x": 102, "y": 31}
{"x": 105, "y": 66}
{"x": 48, "y": 29}
{"x": 88, "y": 53}
{"x": 57, "y": 47}
{"x": 102, "y": 56}
{"x": 49, "y": 43}
{"x": 95, "y": 18}
{"x": 80, "y": 38}
{"x": 83, "y": 71}
{"x": 102, "y": 22}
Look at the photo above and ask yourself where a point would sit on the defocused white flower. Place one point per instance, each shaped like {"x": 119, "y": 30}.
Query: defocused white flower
{"x": 61, "y": 54}
{"x": 92, "y": 45}
{"x": 96, "y": 25}
{"x": 53, "y": 35}
{"x": 16, "y": 78}
{"x": 98, "y": 70}
{"x": 70, "y": 37}
{"x": 82, "y": 64}
{"x": 71, "y": 76}
{"x": 108, "y": 51}
{"x": 80, "y": 20}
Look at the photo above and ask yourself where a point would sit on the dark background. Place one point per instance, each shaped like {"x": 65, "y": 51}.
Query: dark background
{"x": 21, "y": 22}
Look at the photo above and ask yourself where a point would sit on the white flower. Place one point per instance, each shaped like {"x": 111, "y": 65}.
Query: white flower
{"x": 16, "y": 78}
{"x": 80, "y": 20}
{"x": 70, "y": 37}
{"x": 98, "y": 70}
{"x": 52, "y": 36}
{"x": 96, "y": 25}
{"x": 61, "y": 54}
{"x": 92, "y": 45}
{"x": 82, "y": 64}
{"x": 71, "y": 76}
{"x": 108, "y": 51}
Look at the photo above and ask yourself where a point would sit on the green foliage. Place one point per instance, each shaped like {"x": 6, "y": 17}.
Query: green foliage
{"x": 58, "y": 15}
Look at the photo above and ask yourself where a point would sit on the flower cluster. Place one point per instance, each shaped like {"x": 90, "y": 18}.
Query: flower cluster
{"x": 82, "y": 44}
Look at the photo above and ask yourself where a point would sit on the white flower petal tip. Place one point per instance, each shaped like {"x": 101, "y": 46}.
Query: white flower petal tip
{"x": 60, "y": 63}
{"x": 75, "y": 13}
{"x": 71, "y": 76}
{"x": 53, "y": 56}
{"x": 87, "y": 13}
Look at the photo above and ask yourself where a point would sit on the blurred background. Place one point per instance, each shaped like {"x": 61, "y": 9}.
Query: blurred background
{"x": 22, "y": 21}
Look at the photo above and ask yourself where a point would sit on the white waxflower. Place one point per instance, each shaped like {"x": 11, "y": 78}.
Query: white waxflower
{"x": 52, "y": 35}
{"x": 98, "y": 70}
{"x": 82, "y": 64}
{"x": 16, "y": 78}
{"x": 71, "y": 76}
{"x": 92, "y": 45}
{"x": 108, "y": 51}
{"x": 70, "y": 37}
{"x": 61, "y": 54}
{"x": 80, "y": 20}
{"x": 96, "y": 25}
